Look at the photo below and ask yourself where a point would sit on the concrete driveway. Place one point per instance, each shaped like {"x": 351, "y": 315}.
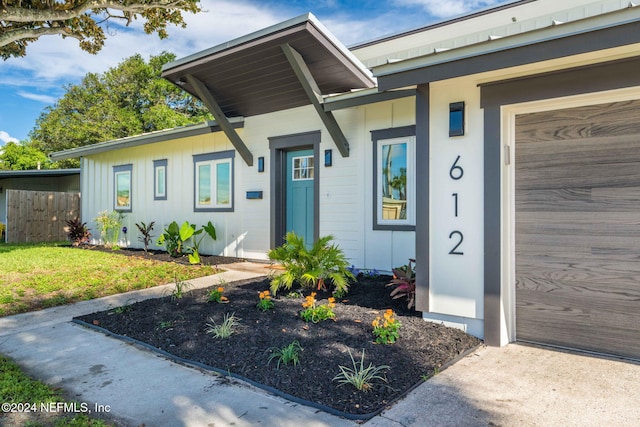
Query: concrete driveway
{"x": 521, "y": 385}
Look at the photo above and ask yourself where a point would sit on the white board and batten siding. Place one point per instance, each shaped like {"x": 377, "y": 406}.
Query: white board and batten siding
{"x": 346, "y": 193}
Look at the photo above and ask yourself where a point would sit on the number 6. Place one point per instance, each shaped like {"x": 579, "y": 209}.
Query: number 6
{"x": 456, "y": 171}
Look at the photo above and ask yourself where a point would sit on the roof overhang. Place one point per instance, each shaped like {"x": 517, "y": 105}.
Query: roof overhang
{"x": 607, "y": 31}
{"x": 146, "y": 138}
{"x": 251, "y": 75}
{"x": 40, "y": 173}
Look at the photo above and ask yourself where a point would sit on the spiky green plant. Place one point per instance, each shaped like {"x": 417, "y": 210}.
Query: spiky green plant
{"x": 226, "y": 328}
{"x": 313, "y": 268}
{"x": 359, "y": 376}
{"x": 286, "y": 354}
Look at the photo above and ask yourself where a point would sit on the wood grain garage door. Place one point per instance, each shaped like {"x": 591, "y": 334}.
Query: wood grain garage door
{"x": 578, "y": 228}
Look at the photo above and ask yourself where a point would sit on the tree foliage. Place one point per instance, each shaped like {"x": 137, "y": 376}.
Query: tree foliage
{"x": 18, "y": 157}
{"x": 24, "y": 21}
{"x": 126, "y": 100}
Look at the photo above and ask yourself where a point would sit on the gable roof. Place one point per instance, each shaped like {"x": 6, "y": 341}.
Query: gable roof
{"x": 251, "y": 75}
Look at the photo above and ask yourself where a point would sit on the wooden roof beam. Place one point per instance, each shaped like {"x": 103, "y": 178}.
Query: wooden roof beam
{"x": 212, "y": 105}
{"x": 315, "y": 96}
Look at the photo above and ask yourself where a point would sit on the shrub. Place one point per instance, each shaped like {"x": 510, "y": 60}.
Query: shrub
{"x": 225, "y": 329}
{"x": 78, "y": 232}
{"x": 404, "y": 279}
{"x": 286, "y": 354}
{"x": 109, "y": 225}
{"x": 145, "y": 233}
{"x": 359, "y": 376}
{"x": 386, "y": 328}
{"x": 317, "y": 313}
{"x": 215, "y": 295}
{"x": 176, "y": 239}
{"x": 265, "y": 303}
{"x": 310, "y": 267}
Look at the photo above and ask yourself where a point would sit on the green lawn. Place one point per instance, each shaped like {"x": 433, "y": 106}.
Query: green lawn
{"x": 17, "y": 389}
{"x": 36, "y": 276}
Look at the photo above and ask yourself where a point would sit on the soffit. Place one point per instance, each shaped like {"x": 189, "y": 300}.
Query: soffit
{"x": 251, "y": 75}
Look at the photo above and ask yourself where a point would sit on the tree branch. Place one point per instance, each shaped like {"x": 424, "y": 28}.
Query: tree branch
{"x": 17, "y": 14}
{"x": 33, "y": 33}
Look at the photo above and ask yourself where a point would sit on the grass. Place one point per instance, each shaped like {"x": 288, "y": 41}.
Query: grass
{"x": 36, "y": 276}
{"x": 18, "y": 388}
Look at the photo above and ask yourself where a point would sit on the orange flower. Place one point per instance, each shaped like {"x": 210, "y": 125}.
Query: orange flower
{"x": 220, "y": 289}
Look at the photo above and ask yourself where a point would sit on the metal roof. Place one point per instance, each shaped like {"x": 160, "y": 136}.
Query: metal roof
{"x": 251, "y": 75}
{"x": 145, "y": 138}
{"x": 456, "y": 60}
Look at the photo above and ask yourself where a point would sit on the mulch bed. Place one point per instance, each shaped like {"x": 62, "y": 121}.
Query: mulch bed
{"x": 178, "y": 327}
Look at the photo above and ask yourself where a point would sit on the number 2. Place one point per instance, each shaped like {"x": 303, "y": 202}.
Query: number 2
{"x": 455, "y": 251}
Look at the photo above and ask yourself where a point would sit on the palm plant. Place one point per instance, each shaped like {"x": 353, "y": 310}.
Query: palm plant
{"x": 310, "y": 267}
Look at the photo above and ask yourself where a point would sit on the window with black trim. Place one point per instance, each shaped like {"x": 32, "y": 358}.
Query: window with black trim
{"x": 394, "y": 178}
{"x": 122, "y": 179}
{"x": 213, "y": 181}
{"x": 160, "y": 179}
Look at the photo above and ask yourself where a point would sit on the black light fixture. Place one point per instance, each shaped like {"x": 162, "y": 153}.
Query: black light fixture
{"x": 456, "y": 118}
{"x": 260, "y": 164}
{"x": 328, "y": 158}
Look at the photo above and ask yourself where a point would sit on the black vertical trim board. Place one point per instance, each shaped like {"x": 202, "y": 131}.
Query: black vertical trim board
{"x": 279, "y": 146}
{"x": 575, "y": 81}
{"x": 492, "y": 227}
{"x": 422, "y": 198}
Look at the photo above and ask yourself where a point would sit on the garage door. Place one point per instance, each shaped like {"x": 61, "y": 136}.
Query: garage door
{"x": 578, "y": 228}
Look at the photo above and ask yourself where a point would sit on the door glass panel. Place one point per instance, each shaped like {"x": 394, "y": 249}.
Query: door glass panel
{"x": 302, "y": 168}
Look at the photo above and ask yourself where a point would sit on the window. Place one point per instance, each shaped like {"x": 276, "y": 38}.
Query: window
{"x": 394, "y": 179}
{"x": 160, "y": 179}
{"x": 214, "y": 181}
{"x": 122, "y": 188}
{"x": 302, "y": 168}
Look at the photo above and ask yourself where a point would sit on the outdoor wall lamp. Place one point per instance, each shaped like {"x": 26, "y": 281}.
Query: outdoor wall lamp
{"x": 456, "y": 118}
{"x": 260, "y": 164}
{"x": 328, "y": 158}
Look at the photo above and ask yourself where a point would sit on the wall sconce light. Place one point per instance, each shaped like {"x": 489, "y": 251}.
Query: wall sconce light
{"x": 456, "y": 118}
{"x": 0, "y": 189}
{"x": 328, "y": 158}
{"x": 260, "y": 164}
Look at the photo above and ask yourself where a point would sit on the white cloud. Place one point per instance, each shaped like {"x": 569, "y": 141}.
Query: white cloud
{"x": 5, "y": 137}
{"x": 449, "y": 8}
{"x": 47, "y": 99}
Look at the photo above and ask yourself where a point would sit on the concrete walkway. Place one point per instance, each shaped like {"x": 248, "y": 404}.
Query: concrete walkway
{"x": 512, "y": 386}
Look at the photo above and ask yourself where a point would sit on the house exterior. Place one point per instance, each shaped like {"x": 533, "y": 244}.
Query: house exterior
{"x": 501, "y": 149}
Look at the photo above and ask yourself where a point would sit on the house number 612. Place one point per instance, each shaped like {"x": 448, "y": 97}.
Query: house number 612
{"x": 455, "y": 173}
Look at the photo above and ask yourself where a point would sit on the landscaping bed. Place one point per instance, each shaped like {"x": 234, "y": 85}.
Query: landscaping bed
{"x": 178, "y": 326}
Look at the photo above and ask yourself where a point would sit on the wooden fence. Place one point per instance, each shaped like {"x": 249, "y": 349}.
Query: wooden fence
{"x": 39, "y": 216}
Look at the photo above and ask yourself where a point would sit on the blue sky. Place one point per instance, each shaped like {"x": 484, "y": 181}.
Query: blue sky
{"x": 31, "y": 83}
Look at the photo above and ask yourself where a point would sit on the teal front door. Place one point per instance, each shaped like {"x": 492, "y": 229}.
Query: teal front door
{"x": 300, "y": 194}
